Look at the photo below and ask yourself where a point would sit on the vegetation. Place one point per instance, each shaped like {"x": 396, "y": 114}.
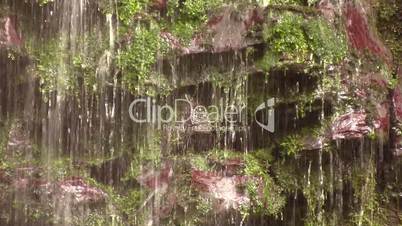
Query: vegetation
{"x": 388, "y": 15}
{"x": 296, "y": 40}
{"x": 292, "y": 145}
{"x": 138, "y": 59}
{"x": 266, "y": 196}
{"x": 112, "y": 61}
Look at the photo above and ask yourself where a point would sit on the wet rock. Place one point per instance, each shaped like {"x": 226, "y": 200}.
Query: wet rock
{"x": 18, "y": 140}
{"x": 28, "y": 171}
{"x": 397, "y": 102}
{"x": 4, "y": 177}
{"x": 223, "y": 189}
{"x": 157, "y": 179}
{"x": 232, "y": 166}
{"x": 173, "y": 42}
{"x": 312, "y": 143}
{"x": 79, "y": 192}
{"x": 360, "y": 34}
{"x": 169, "y": 205}
{"x": 227, "y": 30}
{"x": 8, "y": 33}
{"x": 350, "y": 126}
{"x": 381, "y": 122}
{"x": 327, "y": 9}
{"x": 397, "y": 114}
{"x": 33, "y": 186}
{"x": 111, "y": 171}
{"x": 159, "y": 5}
{"x": 397, "y": 152}
{"x": 72, "y": 190}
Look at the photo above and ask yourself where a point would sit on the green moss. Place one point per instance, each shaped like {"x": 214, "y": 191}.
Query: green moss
{"x": 187, "y": 18}
{"x": 221, "y": 155}
{"x": 388, "y": 24}
{"x": 124, "y": 207}
{"x": 138, "y": 59}
{"x": 286, "y": 2}
{"x": 288, "y": 176}
{"x": 264, "y": 155}
{"x": 44, "y": 2}
{"x": 296, "y": 40}
{"x": 292, "y": 145}
{"x": 127, "y": 9}
{"x": 4, "y": 133}
{"x": 286, "y": 38}
{"x": 150, "y": 156}
{"x": 270, "y": 200}
{"x": 59, "y": 68}
{"x": 47, "y": 58}
{"x": 200, "y": 163}
{"x": 370, "y": 209}
{"x": 327, "y": 45}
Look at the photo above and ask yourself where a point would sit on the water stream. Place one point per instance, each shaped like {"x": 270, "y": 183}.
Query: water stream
{"x": 72, "y": 154}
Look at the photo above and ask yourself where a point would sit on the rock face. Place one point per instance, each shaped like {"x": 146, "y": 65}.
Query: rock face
{"x": 8, "y": 33}
{"x": 351, "y": 126}
{"x": 157, "y": 179}
{"x": 227, "y": 30}
{"x": 18, "y": 140}
{"x": 361, "y": 36}
{"x": 313, "y": 143}
{"x": 221, "y": 188}
{"x": 79, "y": 192}
{"x": 397, "y": 107}
{"x": 327, "y": 9}
{"x": 72, "y": 190}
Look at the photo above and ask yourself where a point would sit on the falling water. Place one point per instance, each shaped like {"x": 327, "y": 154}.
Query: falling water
{"x": 71, "y": 154}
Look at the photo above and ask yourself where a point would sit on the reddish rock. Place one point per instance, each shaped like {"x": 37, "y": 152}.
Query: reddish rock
{"x": 327, "y": 9}
{"x": 4, "y": 177}
{"x": 381, "y": 122}
{"x": 8, "y": 32}
{"x": 71, "y": 190}
{"x": 397, "y": 101}
{"x": 157, "y": 179}
{"x": 160, "y": 5}
{"x": 174, "y": 42}
{"x": 169, "y": 205}
{"x": 360, "y": 35}
{"x": 350, "y": 126}
{"x": 32, "y": 185}
{"x": 79, "y": 192}
{"x": 221, "y": 188}
{"x": 397, "y": 107}
{"x": 213, "y": 21}
{"x": 225, "y": 31}
{"x": 255, "y": 17}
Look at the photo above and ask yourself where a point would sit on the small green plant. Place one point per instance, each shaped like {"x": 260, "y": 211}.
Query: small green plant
{"x": 200, "y": 162}
{"x": 139, "y": 57}
{"x": 128, "y": 8}
{"x": 287, "y": 39}
{"x": 44, "y": 2}
{"x": 266, "y": 196}
{"x": 292, "y": 145}
{"x": 187, "y": 18}
{"x": 298, "y": 40}
{"x": 327, "y": 45}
